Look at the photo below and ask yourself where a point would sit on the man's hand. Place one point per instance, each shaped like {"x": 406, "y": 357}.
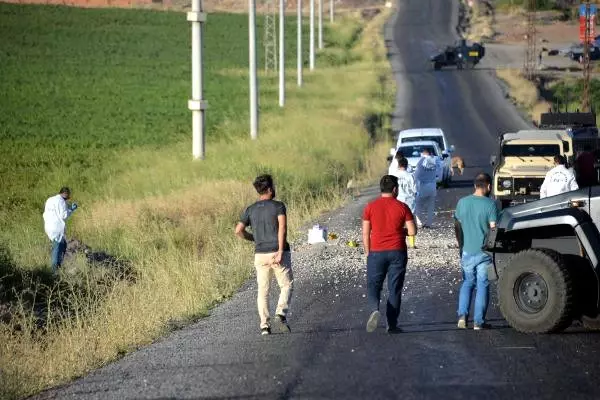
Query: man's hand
{"x": 240, "y": 231}
{"x": 278, "y": 257}
{"x": 73, "y": 206}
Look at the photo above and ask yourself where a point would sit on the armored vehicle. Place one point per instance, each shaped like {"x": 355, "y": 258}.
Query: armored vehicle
{"x": 553, "y": 274}
{"x": 462, "y": 55}
{"x": 522, "y": 162}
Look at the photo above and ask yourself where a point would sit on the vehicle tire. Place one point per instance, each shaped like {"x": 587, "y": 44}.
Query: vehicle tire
{"x": 437, "y": 66}
{"x": 536, "y": 292}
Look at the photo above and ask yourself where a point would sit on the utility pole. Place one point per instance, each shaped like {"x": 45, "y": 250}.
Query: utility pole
{"x": 299, "y": 45}
{"x": 331, "y": 11}
{"x": 281, "y": 53}
{"x": 253, "y": 77}
{"x": 320, "y": 24}
{"x": 270, "y": 36}
{"x": 530, "y": 56}
{"x": 585, "y": 103}
{"x": 197, "y": 105}
{"x": 312, "y": 34}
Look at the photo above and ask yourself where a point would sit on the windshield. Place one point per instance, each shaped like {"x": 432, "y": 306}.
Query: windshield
{"x": 415, "y": 151}
{"x": 438, "y": 139}
{"x": 530, "y": 150}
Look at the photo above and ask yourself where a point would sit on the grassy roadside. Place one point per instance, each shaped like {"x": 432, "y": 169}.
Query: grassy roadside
{"x": 172, "y": 220}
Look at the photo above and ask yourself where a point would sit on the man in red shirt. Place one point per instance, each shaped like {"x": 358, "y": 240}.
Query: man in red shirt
{"x": 386, "y": 223}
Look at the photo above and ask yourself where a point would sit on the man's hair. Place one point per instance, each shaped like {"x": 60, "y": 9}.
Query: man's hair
{"x": 399, "y": 155}
{"x": 426, "y": 150}
{"x": 482, "y": 180}
{"x": 403, "y": 162}
{"x": 560, "y": 159}
{"x": 64, "y": 190}
{"x": 388, "y": 183}
{"x": 263, "y": 183}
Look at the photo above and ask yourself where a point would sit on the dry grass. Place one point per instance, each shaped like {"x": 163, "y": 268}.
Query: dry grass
{"x": 179, "y": 235}
{"x": 523, "y": 92}
{"x": 481, "y": 26}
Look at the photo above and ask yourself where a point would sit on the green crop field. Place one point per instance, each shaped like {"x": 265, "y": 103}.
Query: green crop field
{"x": 96, "y": 99}
{"x": 78, "y": 86}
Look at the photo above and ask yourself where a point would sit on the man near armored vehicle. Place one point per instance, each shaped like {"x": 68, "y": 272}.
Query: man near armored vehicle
{"x": 559, "y": 179}
{"x": 475, "y": 215}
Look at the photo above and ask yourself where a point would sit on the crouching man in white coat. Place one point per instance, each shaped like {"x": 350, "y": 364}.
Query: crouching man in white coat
{"x": 559, "y": 179}
{"x": 427, "y": 174}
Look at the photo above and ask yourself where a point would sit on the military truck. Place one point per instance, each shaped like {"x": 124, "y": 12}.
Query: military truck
{"x": 523, "y": 159}
{"x": 462, "y": 55}
{"x": 553, "y": 274}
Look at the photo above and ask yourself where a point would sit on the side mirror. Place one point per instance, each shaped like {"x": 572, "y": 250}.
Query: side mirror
{"x": 451, "y": 149}
{"x": 445, "y": 155}
{"x": 492, "y": 160}
{"x": 389, "y": 159}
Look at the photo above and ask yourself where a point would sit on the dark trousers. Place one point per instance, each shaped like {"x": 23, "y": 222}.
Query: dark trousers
{"x": 393, "y": 265}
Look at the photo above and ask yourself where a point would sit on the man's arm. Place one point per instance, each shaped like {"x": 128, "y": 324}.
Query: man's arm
{"x": 543, "y": 188}
{"x": 458, "y": 233}
{"x": 281, "y": 233}
{"x": 366, "y": 235}
{"x": 411, "y": 228}
{"x": 240, "y": 231}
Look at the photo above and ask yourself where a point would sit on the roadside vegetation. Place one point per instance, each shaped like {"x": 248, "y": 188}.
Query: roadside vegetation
{"x": 96, "y": 99}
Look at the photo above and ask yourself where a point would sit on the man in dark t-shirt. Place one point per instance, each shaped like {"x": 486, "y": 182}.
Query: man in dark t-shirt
{"x": 384, "y": 237}
{"x": 268, "y": 220}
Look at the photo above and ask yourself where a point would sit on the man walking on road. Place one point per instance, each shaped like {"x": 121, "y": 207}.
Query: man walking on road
{"x": 407, "y": 187}
{"x": 559, "y": 179}
{"x": 427, "y": 173}
{"x": 474, "y": 216}
{"x": 56, "y": 213}
{"x": 386, "y": 222}
{"x": 268, "y": 219}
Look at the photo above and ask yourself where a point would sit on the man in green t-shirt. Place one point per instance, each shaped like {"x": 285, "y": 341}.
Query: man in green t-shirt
{"x": 474, "y": 216}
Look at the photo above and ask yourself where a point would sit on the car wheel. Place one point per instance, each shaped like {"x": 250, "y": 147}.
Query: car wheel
{"x": 536, "y": 292}
{"x": 437, "y": 66}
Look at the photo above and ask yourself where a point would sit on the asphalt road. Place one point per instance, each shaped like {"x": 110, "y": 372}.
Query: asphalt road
{"x": 329, "y": 354}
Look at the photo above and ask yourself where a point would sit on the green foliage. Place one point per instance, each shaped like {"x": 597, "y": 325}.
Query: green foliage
{"x": 571, "y": 94}
{"x": 81, "y": 85}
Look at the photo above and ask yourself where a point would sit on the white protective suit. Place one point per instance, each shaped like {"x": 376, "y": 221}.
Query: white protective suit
{"x": 55, "y": 215}
{"x": 427, "y": 174}
{"x": 559, "y": 179}
{"x": 407, "y": 188}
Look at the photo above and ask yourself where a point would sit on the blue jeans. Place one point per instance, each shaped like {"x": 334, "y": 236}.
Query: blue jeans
{"x": 475, "y": 273}
{"x": 393, "y": 264}
{"x": 58, "y": 252}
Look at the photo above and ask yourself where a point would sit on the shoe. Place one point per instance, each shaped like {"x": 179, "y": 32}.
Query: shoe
{"x": 283, "y": 325}
{"x": 393, "y": 330}
{"x": 265, "y": 331}
{"x": 479, "y": 327}
{"x": 462, "y": 322}
{"x": 373, "y": 321}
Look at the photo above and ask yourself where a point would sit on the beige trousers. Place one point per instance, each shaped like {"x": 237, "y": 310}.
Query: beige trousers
{"x": 265, "y": 269}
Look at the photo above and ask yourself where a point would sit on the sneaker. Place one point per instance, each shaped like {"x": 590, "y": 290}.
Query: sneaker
{"x": 265, "y": 331}
{"x": 479, "y": 327}
{"x": 373, "y": 321}
{"x": 462, "y": 322}
{"x": 283, "y": 325}
{"x": 393, "y": 330}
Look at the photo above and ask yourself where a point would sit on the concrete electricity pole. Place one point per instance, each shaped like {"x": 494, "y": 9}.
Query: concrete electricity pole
{"x": 321, "y": 24}
{"x": 331, "y": 11}
{"x": 299, "y": 43}
{"x": 281, "y": 53}
{"x": 197, "y": 105}
{"x": 253, "y": 77}
{"x": 585, "y": 103}
{"x": 312, "y": 34}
